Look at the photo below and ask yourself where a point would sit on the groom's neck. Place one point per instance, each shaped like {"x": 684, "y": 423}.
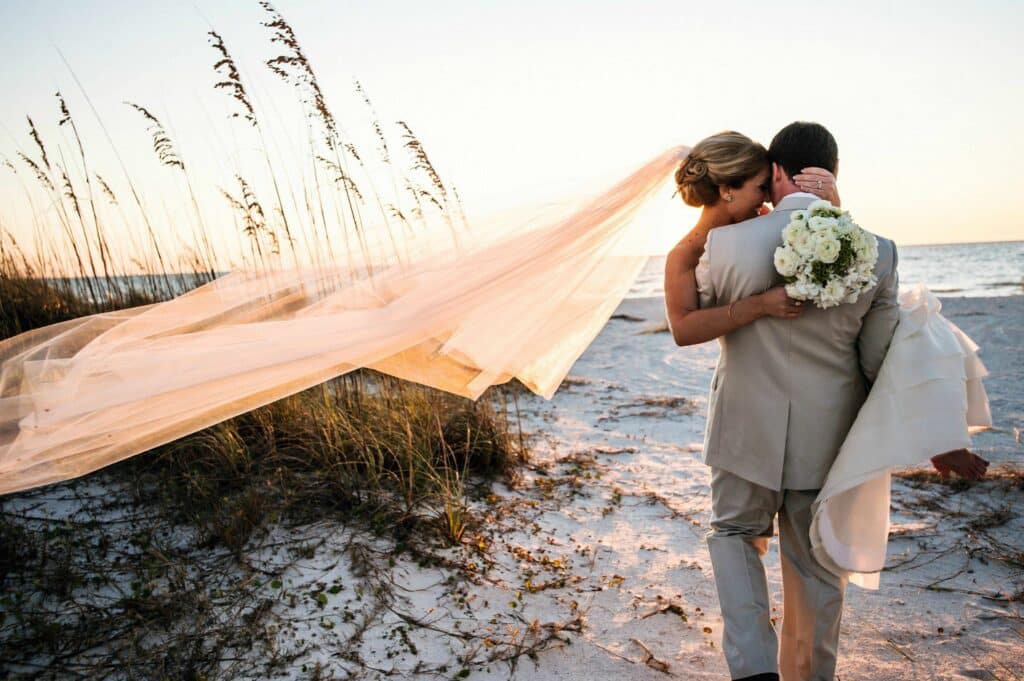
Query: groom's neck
{"x": 782, "y": 185}
{"x": 782, "y": 191}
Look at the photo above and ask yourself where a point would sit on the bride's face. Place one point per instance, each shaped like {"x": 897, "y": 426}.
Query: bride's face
{"x": 748, "y": 199}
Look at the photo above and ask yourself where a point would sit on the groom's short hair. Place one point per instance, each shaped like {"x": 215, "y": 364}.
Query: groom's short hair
{"x": 802, "y": 145}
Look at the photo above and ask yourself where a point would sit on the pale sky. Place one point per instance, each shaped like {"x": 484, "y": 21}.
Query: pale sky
{"x": 517, "y": 101}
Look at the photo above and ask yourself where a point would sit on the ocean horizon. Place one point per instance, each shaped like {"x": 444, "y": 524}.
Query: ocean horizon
{"x": 981, "y": 269}
{"x": 970, "y": 270}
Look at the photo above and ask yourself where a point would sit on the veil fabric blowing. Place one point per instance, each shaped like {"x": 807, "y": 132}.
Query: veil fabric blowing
{"x": 526, "y": 302}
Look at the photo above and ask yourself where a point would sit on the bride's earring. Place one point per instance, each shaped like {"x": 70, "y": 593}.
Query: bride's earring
{"x": 729, "y": 198}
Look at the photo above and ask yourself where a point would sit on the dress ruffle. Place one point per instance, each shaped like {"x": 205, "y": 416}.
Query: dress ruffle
{"x": 927, "y": 398}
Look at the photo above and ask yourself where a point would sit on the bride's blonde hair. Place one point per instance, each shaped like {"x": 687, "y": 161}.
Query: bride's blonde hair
{"x": 728, "y": 158}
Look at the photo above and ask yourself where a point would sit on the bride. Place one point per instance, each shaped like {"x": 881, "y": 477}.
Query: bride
{"x": 508, "y": 301}
{"x": 924, "y": 397}
{"x": 727, "y": 175}
{"x": 522, "y": 302}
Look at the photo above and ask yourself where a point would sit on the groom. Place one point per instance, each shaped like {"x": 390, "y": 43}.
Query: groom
{"x": 784, "y": 395}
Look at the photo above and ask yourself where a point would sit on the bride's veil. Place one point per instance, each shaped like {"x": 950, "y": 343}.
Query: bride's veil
{"x": 520, "y": 302}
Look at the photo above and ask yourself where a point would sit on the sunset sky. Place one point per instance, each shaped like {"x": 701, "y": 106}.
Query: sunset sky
{"x": 521, "y": 101}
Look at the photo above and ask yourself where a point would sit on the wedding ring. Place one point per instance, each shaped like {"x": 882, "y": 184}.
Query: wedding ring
{"x": 819, "y": 184}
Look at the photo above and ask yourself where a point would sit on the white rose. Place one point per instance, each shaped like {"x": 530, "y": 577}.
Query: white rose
{"x": 802, "y": 290}
{"x": 786, "y": 261}
{"x": 835, "y": 289}
{"x": 791, "y": 230}
{"x": 846, "y": 221}
{"x": 821, "y": 224}
{"x": 803, "y": 243}
{"x": 811, "y": 289}
{"x": 857, "y": 240}
{"x": 871, "y": 250}
{"x": 820, "y": 204}
{"x": 826, "y": 248}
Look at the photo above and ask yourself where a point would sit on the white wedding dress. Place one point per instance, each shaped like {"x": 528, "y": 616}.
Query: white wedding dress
{"x": 926, "y": 400}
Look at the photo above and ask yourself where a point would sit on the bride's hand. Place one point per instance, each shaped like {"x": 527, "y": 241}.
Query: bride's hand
{"x": 777, "y": 303}
{"x": 819, "y": 182}
{"x": 963, "y": 462}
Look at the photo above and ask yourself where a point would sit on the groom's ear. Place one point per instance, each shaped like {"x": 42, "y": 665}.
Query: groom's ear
{"x": 778, "y": 174}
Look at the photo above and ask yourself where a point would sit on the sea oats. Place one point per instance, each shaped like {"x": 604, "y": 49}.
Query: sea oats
{"x": 254, "y": 219}
{"x": 38, "y": 141}
{"x": 162, "y": 144}
{"x": 40, "y": 175}
{"x": 294, "y": 68}
{"x": 106, "y": 189}
{"x": 104, "y": 247}
{"x": 232, "y": 79}
{"x": 420, "y": 159}
{"x": 341, "y": 177}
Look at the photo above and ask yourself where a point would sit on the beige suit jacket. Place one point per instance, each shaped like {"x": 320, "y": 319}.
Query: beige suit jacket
{"x": 786, "y": 391}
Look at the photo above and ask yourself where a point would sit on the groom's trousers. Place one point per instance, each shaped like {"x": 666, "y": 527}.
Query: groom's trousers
{"x": 741, "y": 525}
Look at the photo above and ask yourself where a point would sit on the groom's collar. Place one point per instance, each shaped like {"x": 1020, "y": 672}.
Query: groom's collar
{"x": 796, "y": 201}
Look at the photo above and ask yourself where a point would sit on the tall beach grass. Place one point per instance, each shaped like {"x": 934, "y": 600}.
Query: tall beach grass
{"x": 108, "y": 597}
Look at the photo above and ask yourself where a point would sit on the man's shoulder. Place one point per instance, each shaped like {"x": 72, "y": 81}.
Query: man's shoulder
{"x": 886, "y": 250}
{"x": 772, "y": 223}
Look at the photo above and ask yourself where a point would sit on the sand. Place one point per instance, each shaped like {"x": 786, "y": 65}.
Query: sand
{"x": 594, "y": 566}
{"x": 620, "y": 398}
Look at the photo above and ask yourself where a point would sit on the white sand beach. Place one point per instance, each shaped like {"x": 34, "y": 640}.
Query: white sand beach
{"x": 634, "y": 409}
{"x": 594, "y": 565}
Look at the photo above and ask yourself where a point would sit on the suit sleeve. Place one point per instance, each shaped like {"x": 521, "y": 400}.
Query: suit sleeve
{"x": 880, "y": 322}
{"x": 705, "y": 285}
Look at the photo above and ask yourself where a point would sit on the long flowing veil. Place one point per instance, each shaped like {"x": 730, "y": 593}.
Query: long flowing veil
{"x": 525, "y": 303}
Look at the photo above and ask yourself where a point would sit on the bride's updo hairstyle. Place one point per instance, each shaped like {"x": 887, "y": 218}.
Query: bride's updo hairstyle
{"x": 728, "y": 158}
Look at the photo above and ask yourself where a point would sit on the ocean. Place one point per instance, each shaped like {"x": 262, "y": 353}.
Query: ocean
{"x": 949, "y": 270}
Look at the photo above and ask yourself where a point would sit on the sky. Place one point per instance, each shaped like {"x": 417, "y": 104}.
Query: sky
{"x": 519, "y": 102}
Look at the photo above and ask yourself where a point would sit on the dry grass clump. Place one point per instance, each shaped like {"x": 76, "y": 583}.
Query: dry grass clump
{"x": 27, "y": 304}
{"x": 401, "y": 457}
{"x": 158, "y": 572}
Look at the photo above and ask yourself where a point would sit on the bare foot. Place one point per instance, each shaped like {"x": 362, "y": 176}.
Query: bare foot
{"x": 963, "y": 462}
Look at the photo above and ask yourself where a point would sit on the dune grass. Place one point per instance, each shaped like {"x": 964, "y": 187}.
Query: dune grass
{"x": 148, "y": 574}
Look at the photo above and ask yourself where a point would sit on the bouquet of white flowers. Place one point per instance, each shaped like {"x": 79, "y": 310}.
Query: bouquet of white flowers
{"x": 825, "y": 256}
